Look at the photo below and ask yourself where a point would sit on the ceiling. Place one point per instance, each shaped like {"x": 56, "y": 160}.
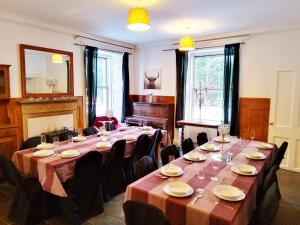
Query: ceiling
{"x": 170, "y": 19}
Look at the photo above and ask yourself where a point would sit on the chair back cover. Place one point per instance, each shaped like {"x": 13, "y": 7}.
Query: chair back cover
{"x": 99, "y": 121}
{"x": 140, "y": 213}
{"x": 10, "y": 172}
{"x": 154, "y": 146}
{"x": 187, "y": 145}
{"x": 89, "y": 131}
{"x": 166, "y": 152}
{"x": 144, "y": 166}
{"x": 202, "y": 138}
{"x": 31, "y": 142}
{"x": 280, "y": 153}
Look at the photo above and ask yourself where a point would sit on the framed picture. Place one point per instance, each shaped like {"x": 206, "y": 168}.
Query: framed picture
{"x": 152, "y": 78}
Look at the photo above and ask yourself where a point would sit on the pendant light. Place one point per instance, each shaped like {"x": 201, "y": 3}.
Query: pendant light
{"x": 186, "y": 43}
{"x": 56, "y": 58}
{"x": 138, "y": 19}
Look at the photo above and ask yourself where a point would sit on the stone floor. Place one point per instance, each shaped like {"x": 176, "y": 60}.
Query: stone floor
{"x": 288, "y": 213}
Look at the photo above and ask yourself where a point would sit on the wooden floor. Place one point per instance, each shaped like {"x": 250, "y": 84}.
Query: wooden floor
{"x": 288, "y": 213}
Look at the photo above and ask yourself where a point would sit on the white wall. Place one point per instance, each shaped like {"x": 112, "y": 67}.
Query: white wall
{"x": 261, "y": 56}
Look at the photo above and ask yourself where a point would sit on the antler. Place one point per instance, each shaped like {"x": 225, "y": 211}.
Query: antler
{"x": 146, "y": 76}
{"x": 157, "y": 76}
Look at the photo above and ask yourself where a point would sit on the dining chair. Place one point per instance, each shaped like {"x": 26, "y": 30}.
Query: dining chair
{"x": 31, "y": 143}
{"x": 154, "y": 146}
{"x": 143, "y": 142}
{"x": 279, "y": 154}
{"x": 89, "y": 131}
{"x": 29, "y": 204}
{"x": 202, "y": 138}
{"x": 166, "y": 152}
{"x": 84, "y": 191}
{"x": 137, "y": 213}
{"x": 99, "y": 121}
{"x": 267, "y": 207}
{"x": 144, "y": 166}
{"x": 187, "y": 145}
{"x": 113, "y": 174}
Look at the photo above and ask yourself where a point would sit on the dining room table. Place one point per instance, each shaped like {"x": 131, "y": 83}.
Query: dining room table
{"x": 202, "y": 206}
{"x": 52, "y": 171}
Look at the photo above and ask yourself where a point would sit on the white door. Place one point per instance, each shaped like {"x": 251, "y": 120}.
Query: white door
{"x": 285, "y": 116}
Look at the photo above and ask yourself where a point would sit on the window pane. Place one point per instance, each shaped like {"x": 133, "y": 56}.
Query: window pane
{"x": 101, "y": 103}
{"x": 102, "y": 71}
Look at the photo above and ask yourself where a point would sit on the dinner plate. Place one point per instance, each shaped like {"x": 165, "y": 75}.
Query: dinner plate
{"x": 146, "y": 128}
{"x": 45, "y": 146}
{"x": 194, "y": 156}
{"x": 43, "y": 153}
{"x": 237, "y": 170}
{"x": 103, "y": 144}
{"x": 178, "y": 189}
{"x": 171, "y": 170}
{"x": 103, "y": 132}
{"x": 228, "y": 193}
{"x": 210, "y": 147}
{"x": 255, "y": 155}
{"x": 148, "y": 132}
{"x": 70, "y": 153}
{"x": 221, "y": 140}
{"x": 129, "y": 137}
{"x": 264, "y": 145}
{"x": 79, "y": 138}
{"x": 123, "y": 128}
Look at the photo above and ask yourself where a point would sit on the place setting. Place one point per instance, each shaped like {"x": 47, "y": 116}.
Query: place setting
{"x": 255, "y": 155}
{"x": 228, "y": 192}
{"x": 129, "y": 137}
{"x": 209, "y": 147}
{"x": 194, "y": 156}
{"x": 244, "y": 169}
{"x": 263, "y": 145}
{"x": 104, "y": 144}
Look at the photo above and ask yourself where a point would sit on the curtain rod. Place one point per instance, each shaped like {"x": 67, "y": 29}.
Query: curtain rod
{"x": 103, "y": 49}
{"x": 105, "y": 42}
{"x": 216, "y": 46}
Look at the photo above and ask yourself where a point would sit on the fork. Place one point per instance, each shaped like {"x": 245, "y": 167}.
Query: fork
{"x": 227, "y": 206}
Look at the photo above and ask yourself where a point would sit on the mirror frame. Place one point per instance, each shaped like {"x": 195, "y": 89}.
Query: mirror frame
{"x": 24, "y": 47}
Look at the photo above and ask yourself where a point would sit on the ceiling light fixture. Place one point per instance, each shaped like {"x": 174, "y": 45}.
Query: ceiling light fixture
{"x": 186, "y": 43}
{"x": 138, "y": 19}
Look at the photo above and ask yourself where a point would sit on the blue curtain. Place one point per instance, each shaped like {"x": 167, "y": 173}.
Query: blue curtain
{"x": 181, "y": 74}
{"x": 90, "y": 62}
{"x": 126, "y": 109}
{"x": 231, "y": 87}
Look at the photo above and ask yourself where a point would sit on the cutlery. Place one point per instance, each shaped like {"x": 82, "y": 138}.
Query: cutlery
{"x": 161, "y": 176}
{"x": 196, "y": 198}
{"x": 219, "y": 203}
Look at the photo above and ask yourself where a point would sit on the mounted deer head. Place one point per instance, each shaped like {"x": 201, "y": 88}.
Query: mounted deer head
{"x": 151, "y": 80}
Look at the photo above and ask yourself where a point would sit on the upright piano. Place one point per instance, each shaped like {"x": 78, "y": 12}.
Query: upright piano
{"x": 157, "y": 115}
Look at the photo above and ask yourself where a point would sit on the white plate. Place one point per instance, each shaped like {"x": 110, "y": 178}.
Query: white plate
{"x": 228, "y": 193}
{"x": 211, "y": 148}
{"x": 255, "y": 155}
{"x": 264, "y": 145}
{"x": 79, "y": 138}
{"x": 148, "y": 132}
{"x": 45, "y": 146}
{"x": 129, "y": 137}
{"x": 171, "y": 170}
{"x": 221, "y": 140}
{"x": 43, "y": 153}
{"x": 123, "y": 128}
{"x": 146, "y": 128}
{"x": 178, "y": 189}
{"x": 237, "y": 171}
{"x": 197, "y": 157}
{"x": 103, "y": 144}
{"x": 103, "y": 132}
{"x": 70, "y": 153}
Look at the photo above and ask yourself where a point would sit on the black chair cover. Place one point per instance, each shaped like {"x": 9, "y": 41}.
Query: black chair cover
{"x": 166, "y": 152}
{"x": 89, "y": 131}
{"x": 202, "y": 138}
{"x": 110, "y": 127}
{"x": 142, "y": 144}
{"x": 29, "y": 204}
{"x": 84, "y": 190}
{"x": 187, "y": 145}
{"x": 280, "y": 153}
{"x": 144, "y": 166}
{"x": 114, "y": 179}
{"x": 31, "y": 142}
{"x": 154, "y": 146}
{"x": 140, "y": 213}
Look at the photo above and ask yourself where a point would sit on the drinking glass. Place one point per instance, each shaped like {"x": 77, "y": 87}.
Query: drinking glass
{"x": 215, "y": 167}
{"x": 201, "y": 176}
{"x": 252, "y": 135}
{"x": 43, "y": 138}
{"x": 70, "y": 138}
{"x": 79, "y": 131}
{"x": 171, "y": 159}
{"x": 55, "y": 140}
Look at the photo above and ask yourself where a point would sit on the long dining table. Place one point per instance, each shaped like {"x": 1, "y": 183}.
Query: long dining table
{"x": 54, "y": 170}
{"x": 208, "y": 209}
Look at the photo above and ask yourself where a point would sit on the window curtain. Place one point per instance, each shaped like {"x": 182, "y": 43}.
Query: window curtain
{"x": 181, "y": 74}
{"x": 231, "y": 87}
{"x": 125, "y": 76}
{"x": 90, "y": 62}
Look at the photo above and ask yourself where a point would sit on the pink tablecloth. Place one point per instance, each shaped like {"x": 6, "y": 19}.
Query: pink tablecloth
{"x": 52, "y": 171}
{"x": 181, "y": 211}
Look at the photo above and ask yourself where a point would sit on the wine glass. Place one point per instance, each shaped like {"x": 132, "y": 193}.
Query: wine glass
{"x": 201, "y": 176}
{"x": 215, "y": 167}
{"x": 252, "y": 135}
{"x": 55, "y": 140}
{"x": 43, "y": 138}
{"x": 171, "y": 158}
{"x": 70, "y": 138}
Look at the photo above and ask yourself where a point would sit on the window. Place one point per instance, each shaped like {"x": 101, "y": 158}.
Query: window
{"x": 205, "y": 84}
{"x": 109, "y": 84}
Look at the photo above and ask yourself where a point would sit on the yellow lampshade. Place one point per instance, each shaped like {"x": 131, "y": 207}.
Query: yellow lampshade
{"x": 138, "y": 19}
{"x": 186, "y": 44}
{"x": 56, "y": 58}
